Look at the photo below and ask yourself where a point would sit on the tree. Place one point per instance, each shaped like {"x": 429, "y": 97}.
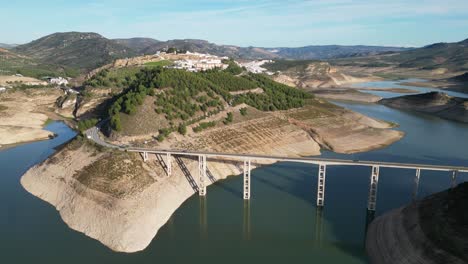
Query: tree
{"x": 243, "y": 111}
{"x": 228, "y": 119}
{"x": 182, "y": 129}
{"x": 171, "y": 50}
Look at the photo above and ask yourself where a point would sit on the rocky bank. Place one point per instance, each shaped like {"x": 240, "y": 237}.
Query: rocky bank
{"x": 433, "y": 103}
{"x": 431, "y": 231}
{"x": 118, "y": 199}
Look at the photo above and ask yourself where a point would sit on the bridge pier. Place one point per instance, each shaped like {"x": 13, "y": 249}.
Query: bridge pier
{"x": 454, "y": 178}
{"x": 374, "y": 180}
{"x": 321, "y": 185}
{"x": 169, "y": 164}
{"x": 145, "y": 156}
{"x": 416, "y": 183}
{"x": 202, "y": 175}
{"x": 246, "y": 179}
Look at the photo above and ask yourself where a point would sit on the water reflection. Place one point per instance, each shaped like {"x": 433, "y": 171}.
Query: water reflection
{"x": 203, "y": 218}
{"x": 318, "y": 226}
{"x": 370, "y": 215}
{"x": 246, "y": 222}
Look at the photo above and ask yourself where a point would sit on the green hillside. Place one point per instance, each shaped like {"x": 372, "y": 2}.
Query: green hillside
{"x": 173, "y": 99}
{"x": 82, "y": 51}
{"x": 13, "y": 63}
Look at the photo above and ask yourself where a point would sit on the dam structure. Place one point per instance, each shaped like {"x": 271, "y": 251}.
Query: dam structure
{"x": 203, "y": 175}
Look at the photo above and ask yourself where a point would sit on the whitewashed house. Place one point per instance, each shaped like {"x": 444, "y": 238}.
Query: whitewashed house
{"x": 58, "y": 81}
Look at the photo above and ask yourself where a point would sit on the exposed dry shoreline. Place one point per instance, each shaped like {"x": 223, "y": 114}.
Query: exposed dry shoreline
{"x": 121, "y": 201}
{"x": 22, "y": 115}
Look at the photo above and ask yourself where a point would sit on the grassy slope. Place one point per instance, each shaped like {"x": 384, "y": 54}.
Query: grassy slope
{"x": 12, "y": 63}
{"x": 81, "y": 51}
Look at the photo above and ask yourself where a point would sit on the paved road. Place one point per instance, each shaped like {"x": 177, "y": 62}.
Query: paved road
{"x": 93, "y": 134}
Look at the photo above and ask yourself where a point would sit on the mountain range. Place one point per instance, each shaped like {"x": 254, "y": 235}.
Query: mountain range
{"x": 448, "y": 56}
{"x": 84, "y": 51}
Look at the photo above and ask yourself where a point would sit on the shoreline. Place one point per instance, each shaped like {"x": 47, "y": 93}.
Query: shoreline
{"x": 129, "y": 223}
{"x": 431, "y": 230}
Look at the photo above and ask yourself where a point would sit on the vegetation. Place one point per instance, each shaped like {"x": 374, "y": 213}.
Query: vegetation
{"x": 229, "y": 118}
{"x": 182, "y": 129}
{"x": 243, "y": 111}
{"x": 83, "y": 51}
{"x": 229, "y": 82}
{"x": 161, "y": 63}
{"x": 120, "y": 78}
{"x": 183, "y": 98}
{"x": 233, "y": 68}
{"x": 204, "y": 125}
{"x": 276, "y": 96}
{"x": 13, "y": 63}
{"x": 87, "y": 124}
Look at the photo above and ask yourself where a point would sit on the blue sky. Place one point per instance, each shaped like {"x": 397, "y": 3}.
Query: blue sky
{"x": 265, "y": 23}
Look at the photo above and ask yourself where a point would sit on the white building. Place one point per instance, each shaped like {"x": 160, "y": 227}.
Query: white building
{"x": 2, "y": 89}
{"x": 58, "y": 81}
{"x": 256, "y": 66}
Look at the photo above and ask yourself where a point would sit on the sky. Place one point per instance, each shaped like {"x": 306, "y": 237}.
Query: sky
{"x": 263, "y": 23}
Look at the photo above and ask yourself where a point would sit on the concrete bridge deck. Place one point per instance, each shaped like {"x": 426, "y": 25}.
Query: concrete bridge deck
{"x": 93, "y": 134}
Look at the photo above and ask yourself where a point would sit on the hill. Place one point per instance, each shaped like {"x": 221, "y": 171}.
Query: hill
{"x": 184, "y": 98}
{"x": 151, "y": 46}
{"x": 451, "y": 57}
{"x": 325, "y": 52}
{"x": 309, "y": 74}
{"x": 432, "y": 230}
{"x": 137, "y": 44}
{"x": 83, "y": 51}
{"x": 433, "y": 103}
{"x": 7, "y": 46}
{"x": 13, "y": 63}
{"x": 460, "y": 78}
{"x": 203, "y": 46}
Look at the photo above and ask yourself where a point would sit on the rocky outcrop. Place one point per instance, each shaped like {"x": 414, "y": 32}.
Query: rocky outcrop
{"x": 434, "y": 103}
{"x": 431, "y": 231}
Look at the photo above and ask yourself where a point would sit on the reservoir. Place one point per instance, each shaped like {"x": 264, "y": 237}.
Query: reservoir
{"x": 281, "y": 219}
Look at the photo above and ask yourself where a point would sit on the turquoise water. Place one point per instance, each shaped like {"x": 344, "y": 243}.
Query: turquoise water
{"x": 281, "y": 220}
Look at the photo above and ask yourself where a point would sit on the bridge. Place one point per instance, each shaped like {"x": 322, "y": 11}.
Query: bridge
{"x": 453, "y": 171}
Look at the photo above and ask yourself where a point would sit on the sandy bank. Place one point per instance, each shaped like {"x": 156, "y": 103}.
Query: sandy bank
{"x": 22, "y": 115}
{"x": 347, "y": 95}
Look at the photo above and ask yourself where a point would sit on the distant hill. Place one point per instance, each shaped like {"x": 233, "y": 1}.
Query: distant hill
{"x": 12, "y": 63}
{"x": 331, "y": 51}
{"x": 7, "y": 46}
{"x": 460, "y": 78}
{"x": 151, "y": 46}
{"x": 450, "y": 56}
{"x": 83, "y": 51}
{"x": 137, "y": 44}
{"x": 453, "y": 56}
{"x": 203, "y": 46}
